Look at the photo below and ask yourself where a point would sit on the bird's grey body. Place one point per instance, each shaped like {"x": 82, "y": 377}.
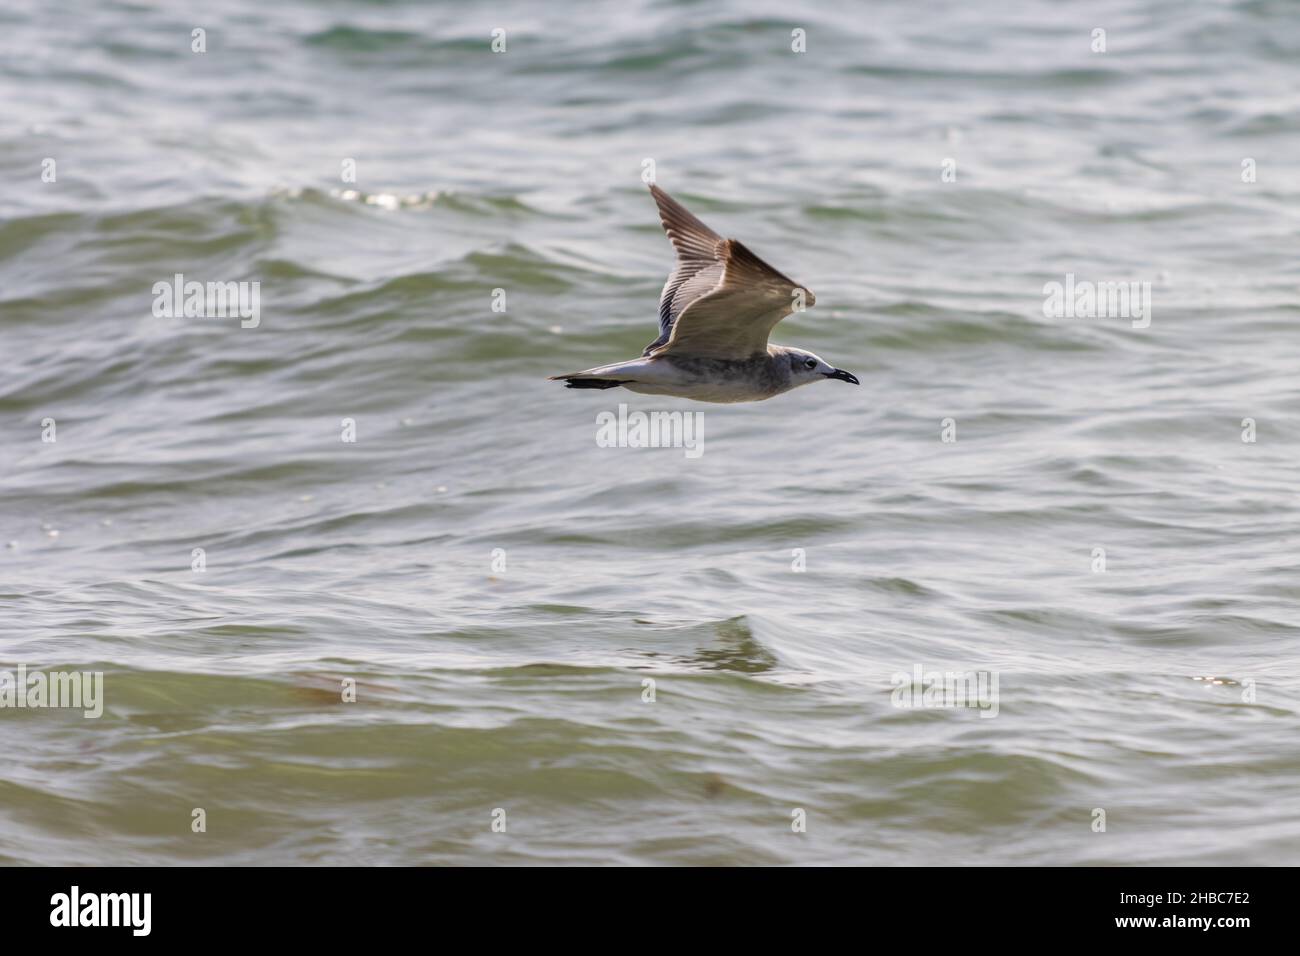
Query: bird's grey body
{"x": 704, "y": 379}
{"x": 716, "y": 311}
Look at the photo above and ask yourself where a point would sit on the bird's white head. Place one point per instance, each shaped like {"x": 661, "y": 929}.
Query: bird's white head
{"x": 806, "y": 367}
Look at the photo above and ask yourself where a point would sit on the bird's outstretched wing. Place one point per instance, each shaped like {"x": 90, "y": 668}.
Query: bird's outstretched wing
{"x": 721, "y": 300}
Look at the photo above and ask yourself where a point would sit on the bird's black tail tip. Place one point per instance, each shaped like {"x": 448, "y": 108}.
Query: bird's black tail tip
{"x": 592, "y": 383}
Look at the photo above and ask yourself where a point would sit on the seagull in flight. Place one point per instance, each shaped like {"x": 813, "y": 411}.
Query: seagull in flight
{"x": 716, "y": 311}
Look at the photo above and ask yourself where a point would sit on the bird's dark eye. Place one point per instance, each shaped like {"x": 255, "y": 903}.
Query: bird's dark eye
{"x": 810, "y": 364}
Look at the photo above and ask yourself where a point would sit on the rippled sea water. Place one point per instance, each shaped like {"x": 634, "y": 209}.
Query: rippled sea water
{"x": 498, "y": 586}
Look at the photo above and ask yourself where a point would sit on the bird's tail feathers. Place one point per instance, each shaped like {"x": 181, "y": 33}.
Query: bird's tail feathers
{"x": 608, "y": 376}
{"x": 588, "y": 380}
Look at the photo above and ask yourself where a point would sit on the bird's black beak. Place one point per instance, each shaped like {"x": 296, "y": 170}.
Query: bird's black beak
{"x": 843, "y": 376}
